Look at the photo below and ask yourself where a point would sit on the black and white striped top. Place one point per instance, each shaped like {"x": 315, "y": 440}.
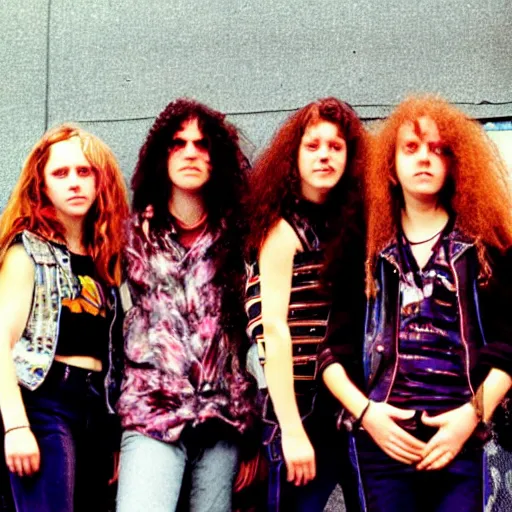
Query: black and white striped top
{"x": 308, "y": 309}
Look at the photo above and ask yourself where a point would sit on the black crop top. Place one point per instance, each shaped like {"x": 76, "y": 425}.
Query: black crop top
{"x": 84, "y": 327}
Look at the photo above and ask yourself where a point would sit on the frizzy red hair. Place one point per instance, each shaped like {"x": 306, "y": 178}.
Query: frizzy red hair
{"x": 477, "y": 189}
{"x": 275, "y": 181}
{"x": 30, "y": 209}
{"x": 223, "y": 194}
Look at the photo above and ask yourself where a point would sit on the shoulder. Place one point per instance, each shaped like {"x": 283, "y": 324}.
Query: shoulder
{"x": 37, "y": 247}
{"x": 281, "y": 237}
{"x": 17, "y": 262}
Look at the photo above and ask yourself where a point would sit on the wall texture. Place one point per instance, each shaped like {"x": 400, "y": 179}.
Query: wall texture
{"x": 113, "y": 65}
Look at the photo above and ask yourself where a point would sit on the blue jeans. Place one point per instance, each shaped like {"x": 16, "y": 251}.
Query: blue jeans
{"x": 68, "y": 417}
{"x": 152, "y": 474}
{"x": 390, "y": 486}
{"x": 332, "y": 462}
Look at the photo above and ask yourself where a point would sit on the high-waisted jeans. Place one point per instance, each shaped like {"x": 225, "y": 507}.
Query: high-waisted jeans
{"x": 391, "y": 486}
{"x": 69, "y": 419}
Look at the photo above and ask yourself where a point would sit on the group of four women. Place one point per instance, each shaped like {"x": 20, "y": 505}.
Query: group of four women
{"x": 364, "y": 274}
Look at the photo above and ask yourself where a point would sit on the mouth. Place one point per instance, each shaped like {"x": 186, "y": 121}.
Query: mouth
{"x": 324, "y": 170}
{"x": 190, "y": 169}
{"x": 424, "y": 174}
{"x": 77, "y": 199}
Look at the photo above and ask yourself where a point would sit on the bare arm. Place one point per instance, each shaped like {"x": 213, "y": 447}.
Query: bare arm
{"x": 276, "y": 267}
{"x": 16, "y": 289}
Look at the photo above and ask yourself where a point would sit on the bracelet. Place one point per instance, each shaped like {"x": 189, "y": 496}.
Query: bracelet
{"x": 359, "y": 420}
{"x": 478, "y": 403}
{"x": 15, "y": 428}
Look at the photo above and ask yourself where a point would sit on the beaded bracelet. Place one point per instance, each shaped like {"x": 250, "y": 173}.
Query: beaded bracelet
{"x": 15, "y": 428}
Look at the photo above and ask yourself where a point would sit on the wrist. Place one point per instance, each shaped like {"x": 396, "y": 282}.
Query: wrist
{"x": 17, "y": 427}
{"x": 359, "y": 420}
{"x": 292, "y": 430}
{"x": 476, "y": 418}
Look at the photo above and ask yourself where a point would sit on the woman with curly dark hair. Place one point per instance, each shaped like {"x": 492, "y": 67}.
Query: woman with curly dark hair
{"x": 185, "y": 398}
{"x": 438, "y": 350}
{"x": 304, "y": 195}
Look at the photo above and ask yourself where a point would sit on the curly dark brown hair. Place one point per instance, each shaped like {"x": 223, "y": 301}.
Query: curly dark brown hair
{"x": 476, "y": 192}
{"x": 223, "y": 194}
{"x": 275, "y": 181}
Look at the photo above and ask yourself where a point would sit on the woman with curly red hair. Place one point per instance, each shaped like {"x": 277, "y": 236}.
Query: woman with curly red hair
{"x": 60, "y": 251}
{"x": 304, "y": 191}
{"x": 437, "y": 351}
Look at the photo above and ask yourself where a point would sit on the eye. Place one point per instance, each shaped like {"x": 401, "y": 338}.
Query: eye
{"x": 84, "y": 171}
{"x": 411, "y": 147}
{"x": 311, "y": 145}
{"x": 62, "y": 172}
{"x": 436, "y": 148}
{"x": 177, "y": 144}
{"x": 337, "y": 146}
{"x": 203, "y": 144}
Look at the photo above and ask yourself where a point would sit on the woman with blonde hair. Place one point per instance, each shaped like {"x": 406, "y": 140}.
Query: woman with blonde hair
{"x": 60, "y": 346}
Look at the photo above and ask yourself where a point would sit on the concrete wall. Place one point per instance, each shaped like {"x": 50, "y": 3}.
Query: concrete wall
{"x": 113, "y": 65}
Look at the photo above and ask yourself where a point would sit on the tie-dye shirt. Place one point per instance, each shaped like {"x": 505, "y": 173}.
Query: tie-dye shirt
{"x": 179, "y": 367}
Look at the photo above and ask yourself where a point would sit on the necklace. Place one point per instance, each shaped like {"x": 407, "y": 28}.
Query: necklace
{"x": 425, "y": 241}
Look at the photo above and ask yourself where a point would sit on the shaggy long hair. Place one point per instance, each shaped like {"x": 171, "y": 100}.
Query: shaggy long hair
{"x": 30, "y": 208}
{"x": 476, "y": 190}
{"x": 223, "y": 193}
{"x": 275, "y": 181}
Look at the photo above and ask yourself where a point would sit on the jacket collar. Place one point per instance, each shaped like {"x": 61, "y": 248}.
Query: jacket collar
{"x": 458, "y": 244}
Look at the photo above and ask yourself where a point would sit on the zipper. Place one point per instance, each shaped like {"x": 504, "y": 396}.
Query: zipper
{"x": 107, "y": 375}
{"x": 397, "y": 330}
{"x": 396, "y": 270}
{"x": 461, "y": 323}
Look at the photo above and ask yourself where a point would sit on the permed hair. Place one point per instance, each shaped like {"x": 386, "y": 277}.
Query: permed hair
{"x": 477, "y": 188}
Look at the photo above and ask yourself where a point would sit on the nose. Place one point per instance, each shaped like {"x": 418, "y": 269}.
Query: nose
{"x": 423, "y": 152}
{"x": 323, "y": 152}
{"x": 190, "y": 150}
{"x": 73, "y": 179}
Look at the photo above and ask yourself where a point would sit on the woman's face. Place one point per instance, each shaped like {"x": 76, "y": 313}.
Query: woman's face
{"x": 321, "y": 160}
{"x": 69, "y": 180}
{"x": 420, "y": 160}
{"x": 188, "y": 163}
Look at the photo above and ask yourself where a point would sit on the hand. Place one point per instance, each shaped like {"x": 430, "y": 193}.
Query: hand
{"x": 22, "y": 452}
{"x": 115, "y": 469}
{"x": 455, "y": 428}
{"x": 299, "y": 456}
{"x": 392, "y": 439}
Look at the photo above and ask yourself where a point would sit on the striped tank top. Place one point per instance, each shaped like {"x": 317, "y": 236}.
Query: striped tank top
{"x": 308, "y": 310}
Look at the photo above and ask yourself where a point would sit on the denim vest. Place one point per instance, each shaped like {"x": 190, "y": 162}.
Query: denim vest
{"x": 54, "y": 281}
